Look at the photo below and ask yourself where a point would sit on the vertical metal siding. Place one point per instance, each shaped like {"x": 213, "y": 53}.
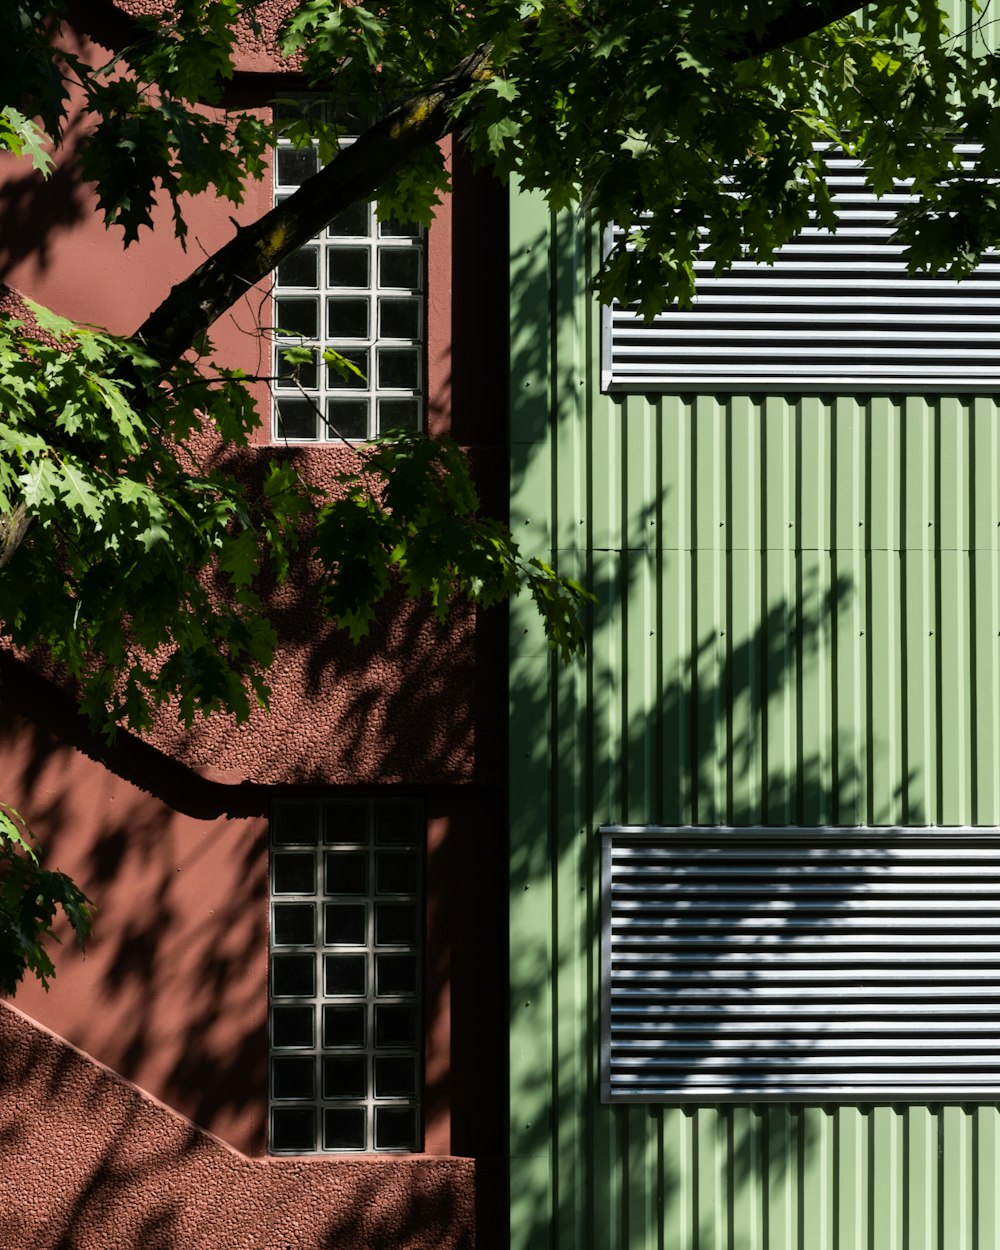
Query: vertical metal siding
{"x": 799, "y": 622}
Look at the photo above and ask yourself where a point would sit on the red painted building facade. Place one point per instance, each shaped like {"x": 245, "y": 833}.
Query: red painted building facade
{"x": 134, "y": 1096}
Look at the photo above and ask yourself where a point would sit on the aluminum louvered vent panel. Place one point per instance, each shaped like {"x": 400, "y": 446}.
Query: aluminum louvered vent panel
{"x": 806, "y": 965}
{"x": 833, "y": 309}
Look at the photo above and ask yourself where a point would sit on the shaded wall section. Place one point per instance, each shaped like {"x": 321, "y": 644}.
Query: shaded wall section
{"x": 172, "y": 989}
{"x": 92, "y": 1164}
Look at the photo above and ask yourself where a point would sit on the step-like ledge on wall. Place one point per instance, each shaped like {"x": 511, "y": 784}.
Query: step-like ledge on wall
{"x": 91, "y": 1161}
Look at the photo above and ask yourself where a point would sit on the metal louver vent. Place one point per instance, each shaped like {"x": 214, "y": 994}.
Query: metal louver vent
{"x": 833, "y": 310}
{"x": 829, "y": 965}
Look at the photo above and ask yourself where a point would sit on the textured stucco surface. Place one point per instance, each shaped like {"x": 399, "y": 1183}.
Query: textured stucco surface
{"x": 90, "y": 1163}
{"x": 172, "y": 988}
{"x": 254, "y": 53}
{"x": 168, "y": 834}
{"x": 415, "y": 702}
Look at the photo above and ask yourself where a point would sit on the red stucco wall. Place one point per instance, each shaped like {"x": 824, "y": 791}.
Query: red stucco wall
{"x": 416, "y": 701}
{"x": 168, "y": 835}
{"x": 90, "y": 1163}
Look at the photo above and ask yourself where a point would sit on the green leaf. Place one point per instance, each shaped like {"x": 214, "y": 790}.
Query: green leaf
{"x": 24, "y": 137}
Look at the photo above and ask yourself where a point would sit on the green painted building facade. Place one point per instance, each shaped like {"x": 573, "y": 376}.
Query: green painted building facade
{"x": 798, "y": 625}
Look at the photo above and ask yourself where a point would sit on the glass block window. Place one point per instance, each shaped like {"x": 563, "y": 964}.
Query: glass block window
{"x": 357, "y": 288}
{"x": 345, "y": 983}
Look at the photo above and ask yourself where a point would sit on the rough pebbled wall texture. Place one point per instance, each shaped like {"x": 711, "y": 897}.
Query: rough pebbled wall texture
{"x": 168, "y": 835}
{"x": 253, "y": 54}
{"x": 416, "y": 702}
{"x": 91, "y": 1163}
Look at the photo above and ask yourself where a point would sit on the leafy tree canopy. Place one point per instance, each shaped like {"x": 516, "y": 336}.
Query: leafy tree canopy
{"x": 691, "y": 124}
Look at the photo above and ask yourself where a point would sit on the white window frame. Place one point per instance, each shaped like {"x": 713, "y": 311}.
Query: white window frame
{"x": 833, "y": 965}
{"x": 383, "y": 271}
{"x": 345, "y": 980}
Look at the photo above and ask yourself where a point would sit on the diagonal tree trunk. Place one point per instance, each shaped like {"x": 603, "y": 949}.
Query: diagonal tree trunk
{"x": 357, "y": 172}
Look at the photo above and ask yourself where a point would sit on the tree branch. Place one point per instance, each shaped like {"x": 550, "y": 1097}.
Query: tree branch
{"x": 354, "y": 175}
{"x": 796, "y": 22}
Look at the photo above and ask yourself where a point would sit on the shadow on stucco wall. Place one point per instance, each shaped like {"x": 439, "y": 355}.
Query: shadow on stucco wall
{"x": 171, "y": 991}
{"x": 91, "y": 1164}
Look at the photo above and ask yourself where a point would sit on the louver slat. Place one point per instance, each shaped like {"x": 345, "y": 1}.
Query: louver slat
{"x": 833, "y": 309}
{"x": 800, "y": 964}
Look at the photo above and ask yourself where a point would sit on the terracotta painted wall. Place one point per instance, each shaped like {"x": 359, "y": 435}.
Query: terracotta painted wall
{"x": 168, "y": 835}
{"x": 89, "y": 1164}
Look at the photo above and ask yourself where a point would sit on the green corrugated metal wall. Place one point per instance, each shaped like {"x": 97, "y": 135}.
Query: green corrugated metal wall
{"x": 799, "y": 623}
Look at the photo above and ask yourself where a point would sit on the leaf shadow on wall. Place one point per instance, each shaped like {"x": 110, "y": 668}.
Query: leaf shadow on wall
{"x": 89, "y": 1162}
{"x": 709, "y": 741}
{"x": 172, "y": 989}
{"x": 177, "y": 866}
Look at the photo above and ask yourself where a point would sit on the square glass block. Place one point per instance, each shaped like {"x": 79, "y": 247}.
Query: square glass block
{"x": 293, "y": 376}
{"x": 395, "y": 1128}
{"x": 395, "y": 924}
{"x": 293, "y": 1076}
{"x": 398, "y": 368}
{"x": 395, "y": 872}
{"x": 346, "y": 872}
{"x": 296, "y": 419}
{"x": 296, "y": 823}
{"x": 344, "y": 1025}
{"x": 347, "y": 317}
{"x": 393, "y": 229}
{"x": 293, "y": 976}
{"x": 348, "y": 266}
{"x": 346, "y": 822}
{"x": 300, "y": 269}
{"x": 345, "y": 1076}
{"x": 293, "y": 872}
{"x": 295, "y": 165}
{"x": 293, "y": 1128}
{"x": 353, "y": 223}
{"x": 345, "y": 924}
{"x": 347, "y": 418}
{"x": 296, "y": 316}
{"x": 345, "y": 975}
{"x": 400, "y": 267}
{"x": 395, "y": 1076}
{"x": 293, "y": 1026}
{"x": 395, "y": 974}
{"x": 344, "y": 379}
{"x": 398, "y": 824}
{"x": 398, "y": 318}
{"x": 344, "y": 1128}
{"x": 398, "y": 414}
{"x": 395, "y": 1024}
{"x": 293, "y": 924}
